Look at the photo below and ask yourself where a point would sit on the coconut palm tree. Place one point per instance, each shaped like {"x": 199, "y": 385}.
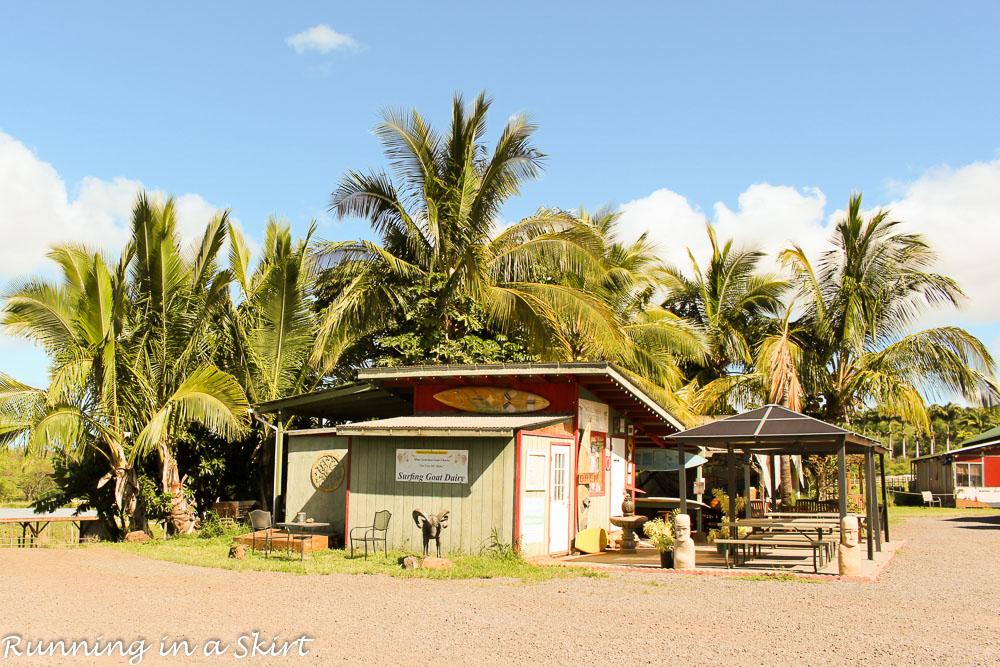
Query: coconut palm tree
{"x": 270, "y": 331}
{"x": 855, "y": 333}
{"x": 735, "y": 303}
{"x": 271, "y": 328}
{"x": 656, "y": 341}
{"x": 439, "y": 222}
{"x": 129, "y": 349}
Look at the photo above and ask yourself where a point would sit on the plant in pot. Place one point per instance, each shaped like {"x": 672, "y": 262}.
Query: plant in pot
{"x": 722, "y": 532}
{"x": 661, "y": 534}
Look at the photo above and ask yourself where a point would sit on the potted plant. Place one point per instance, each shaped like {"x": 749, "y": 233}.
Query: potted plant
{"x": 722, "y": 502}
{"x": 661, "y": 534}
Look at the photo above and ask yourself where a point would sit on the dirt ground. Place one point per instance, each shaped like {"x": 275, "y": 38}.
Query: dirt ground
{"x": 938, "y": 602}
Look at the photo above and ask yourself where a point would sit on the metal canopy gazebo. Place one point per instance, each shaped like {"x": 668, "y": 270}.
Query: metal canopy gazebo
{"x": 776, "y": 430}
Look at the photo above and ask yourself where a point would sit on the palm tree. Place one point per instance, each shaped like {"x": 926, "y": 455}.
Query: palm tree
{"x": 657, "y": 342}
{"x": 438, "y": 219}
{"x": 270, "y": 332}
{"x": 855, "y": 338}
{"x": 129, "y": 346}
{"x": 735, "y": 303}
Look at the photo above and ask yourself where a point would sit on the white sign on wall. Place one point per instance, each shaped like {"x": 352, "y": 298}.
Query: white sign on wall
{"x": 532, "y": 520}
{"x": 535, "y": 472}
{"x": 595, "y": 413}
{"x": 439, "y": 466}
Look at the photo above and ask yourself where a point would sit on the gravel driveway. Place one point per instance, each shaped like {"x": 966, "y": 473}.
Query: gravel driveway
{"x": 938, "y": 602}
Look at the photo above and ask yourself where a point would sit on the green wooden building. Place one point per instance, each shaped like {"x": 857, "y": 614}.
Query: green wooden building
{"x": 520, "y": 453}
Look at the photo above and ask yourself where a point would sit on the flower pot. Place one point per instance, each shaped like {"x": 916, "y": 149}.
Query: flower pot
{"x": 721, "y": 548}
{"x": 667, "y": 558}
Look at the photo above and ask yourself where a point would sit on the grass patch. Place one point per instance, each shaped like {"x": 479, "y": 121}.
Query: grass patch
{"x": 900, "y": 512}
{"x": 776, "y": 576}
{"x": 214, "y": 552}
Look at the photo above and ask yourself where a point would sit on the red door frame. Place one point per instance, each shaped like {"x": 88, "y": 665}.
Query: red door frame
{"x": 519, "y": 483}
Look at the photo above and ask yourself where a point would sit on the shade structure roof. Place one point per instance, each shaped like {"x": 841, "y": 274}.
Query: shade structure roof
{"x": 456, "y": 425}
{"x": 777, "y": 430}
{"x": 359, "y": 400}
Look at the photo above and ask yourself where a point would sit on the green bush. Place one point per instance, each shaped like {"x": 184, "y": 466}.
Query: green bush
{"x": 213, "y": 526}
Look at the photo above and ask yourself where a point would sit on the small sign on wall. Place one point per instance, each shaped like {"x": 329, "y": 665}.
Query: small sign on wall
{"x": 534, "y": 473}
{"x": 439, "y": 466}
{"x": 593, "y": 414}
{"x": 532, "y": 520}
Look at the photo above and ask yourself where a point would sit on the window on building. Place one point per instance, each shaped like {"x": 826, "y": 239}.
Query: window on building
{"x": 968, "y": 474}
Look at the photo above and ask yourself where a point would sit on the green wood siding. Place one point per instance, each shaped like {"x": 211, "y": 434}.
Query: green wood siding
{"x": 485, "y": 503}
{"x": 326, "y": 507}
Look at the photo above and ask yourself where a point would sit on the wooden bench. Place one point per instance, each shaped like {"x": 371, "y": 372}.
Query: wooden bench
{"x": 822, "y": 550}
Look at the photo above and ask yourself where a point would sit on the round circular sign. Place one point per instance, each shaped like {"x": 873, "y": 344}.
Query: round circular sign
{"x": 327, "y": 473}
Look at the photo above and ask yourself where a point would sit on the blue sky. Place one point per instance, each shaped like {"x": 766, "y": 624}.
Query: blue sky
{"x": 760, "y": 116}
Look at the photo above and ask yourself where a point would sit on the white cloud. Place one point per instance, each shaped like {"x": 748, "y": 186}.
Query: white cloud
{"x": 321, "y": 38}
{"x": 769, "y": 217}
{"x": 37, "y": 212}
{"x": 956, "y": 209}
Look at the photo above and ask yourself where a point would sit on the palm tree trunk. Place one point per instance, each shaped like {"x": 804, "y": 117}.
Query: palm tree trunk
{"x": 130, "y": 508}
{"x": 786, "y": 481}
{"x": 182, "y": 519}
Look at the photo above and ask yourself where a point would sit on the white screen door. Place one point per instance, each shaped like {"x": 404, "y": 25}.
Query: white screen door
{"x": 619, "y": 473}
{"x": 559, "y": 499}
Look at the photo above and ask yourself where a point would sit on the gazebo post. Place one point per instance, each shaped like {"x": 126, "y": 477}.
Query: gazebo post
{"x": 747, "y": 513}
{"x": 842, "y": 478}
{"x": 873, "y": 492}
{"x": 731, "y": 460}
{"x": 682, "y": 478}
{"x": 873, "y": 526}
{"x": 885, "y": 498}
{"x": 774, "y": 482}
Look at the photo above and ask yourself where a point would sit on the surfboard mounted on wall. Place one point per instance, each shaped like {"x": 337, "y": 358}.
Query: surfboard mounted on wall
{"x": 492, "y": 400}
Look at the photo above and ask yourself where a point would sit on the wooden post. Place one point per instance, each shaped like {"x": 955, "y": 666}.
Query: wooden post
{"x": 774, "y": 482}
{"x": 279, "y": 459}
{"x": 869, "y": 514}
{"x": 699, "y": 474}
{"x": 878, "y": 505}
{"x": 681, "y": 478}
{"x": 885, "y": 498}
{"x": 842, "y": 478}
{"x": 731, "y": 460}
{"x": 747, "y": 512}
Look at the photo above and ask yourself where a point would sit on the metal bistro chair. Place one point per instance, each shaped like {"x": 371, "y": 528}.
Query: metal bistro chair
{"x": 929, "y": 499}
{"x": 261, "y": 520}
{"x": 371, "y": 533}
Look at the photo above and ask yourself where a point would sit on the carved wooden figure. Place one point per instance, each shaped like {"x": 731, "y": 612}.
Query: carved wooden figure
{"x": 431, "y": 525}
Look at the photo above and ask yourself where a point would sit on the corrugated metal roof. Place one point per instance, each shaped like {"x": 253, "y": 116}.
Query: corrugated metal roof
{"x": 569, "y": 368}
{"x": 451, "y": 424}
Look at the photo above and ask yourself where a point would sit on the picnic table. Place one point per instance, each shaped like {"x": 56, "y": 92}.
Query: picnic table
{"x": 35, "y": 522}
{"x": 816, "y": 533}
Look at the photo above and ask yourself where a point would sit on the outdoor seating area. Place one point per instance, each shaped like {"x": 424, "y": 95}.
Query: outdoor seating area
{"x": 807, "y": 536}
{"x": 291, "y": 537}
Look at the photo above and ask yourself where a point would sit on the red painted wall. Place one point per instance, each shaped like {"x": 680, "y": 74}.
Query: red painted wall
{"x": 991, "y": 471}
{"x": 561, "y": 395}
